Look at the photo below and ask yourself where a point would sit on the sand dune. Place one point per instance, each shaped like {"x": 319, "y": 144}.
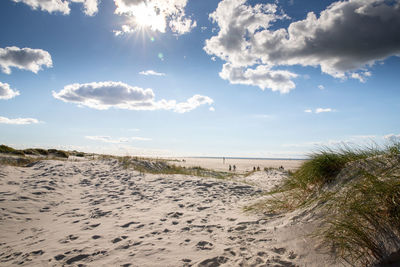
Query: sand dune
{"x": 95, "y": 213}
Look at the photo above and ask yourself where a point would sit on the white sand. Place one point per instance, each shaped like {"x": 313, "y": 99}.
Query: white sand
{"x": 242, "y": 165}
{"x": 94, "y": 213}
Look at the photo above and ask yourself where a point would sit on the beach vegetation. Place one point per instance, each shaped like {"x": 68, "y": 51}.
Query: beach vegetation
{"x": 58, "y": 153}
{"x": 9, "y": 150}
{"x": 159, "y": 166}
{"x": 357, "y": 193}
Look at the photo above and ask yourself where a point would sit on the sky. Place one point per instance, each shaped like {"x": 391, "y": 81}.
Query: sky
{"x": 233, "y": 78}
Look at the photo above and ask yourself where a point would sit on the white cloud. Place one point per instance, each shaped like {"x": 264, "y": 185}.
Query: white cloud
{"x": 151, "y": 72}
{"x": 321, "y": 87}
{"x": 154, "y": 15}
{"x": 107, "y": 139}
{"x": 203, "y": 28}
{"x": 262, "y": 76}
{"x": 213, "y": 58}
{"x": 6, "y": 92}
{"x": 361, "y": 76}
{"x": 319, "y": 110}
{"x": 105, "y": 95}
{"x": 24, "y": 58}
{"x": 18, "y": 121}
{"x": 50, "y": 6}
{"x": 322, "y": 110}
{"x": 344, "y": 40}
{"x": 62, "y": 6}
{"x": 110, "y": 140}
{"x": 192, "y": 103}
{"x": 211, "y": 109}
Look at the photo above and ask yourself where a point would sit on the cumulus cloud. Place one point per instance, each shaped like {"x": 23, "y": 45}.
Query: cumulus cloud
{"x": 151, "y": 72}
{"x": 24, "y": 58}
{"x": 18, "y": 121}
{"x": 62, "y": 6}
{"x": 110, "y": 140}
{"x": 262, "y": 76}
{"x": 6, "y": 92}
{"x": 211, "y": 109}
{"x": 344, "y": 40}
{"x": 48, "y": 5}
{"x": 321, "y": 87}
{"x": 105, "y": 95}
{"x": 308, "y": 111}
{"x": 154, "y": 15}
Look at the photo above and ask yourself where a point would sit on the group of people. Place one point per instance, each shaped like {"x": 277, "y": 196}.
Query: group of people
{"x": 233, "y": 167}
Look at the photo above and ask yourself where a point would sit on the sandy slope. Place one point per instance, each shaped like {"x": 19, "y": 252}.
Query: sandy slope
{"x": 94, "y": 213}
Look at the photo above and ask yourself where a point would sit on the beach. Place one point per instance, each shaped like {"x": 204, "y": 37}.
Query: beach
{"x": 96, "y": 213}
{"x": 242, "y": 164}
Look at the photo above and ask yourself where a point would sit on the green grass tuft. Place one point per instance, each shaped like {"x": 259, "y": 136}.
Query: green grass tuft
{"x": 358, "y": 192}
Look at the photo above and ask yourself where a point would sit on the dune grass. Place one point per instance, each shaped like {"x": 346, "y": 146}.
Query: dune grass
{"x": 159, "y": 166}
{"x": 358, "y": 192}
{"x": 9, "y": 150}
{"x": 34, "y": 151}
{"x": 18, "y": 161}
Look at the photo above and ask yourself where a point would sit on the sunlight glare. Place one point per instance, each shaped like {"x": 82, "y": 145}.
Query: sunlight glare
{"x": 146, "y": 16}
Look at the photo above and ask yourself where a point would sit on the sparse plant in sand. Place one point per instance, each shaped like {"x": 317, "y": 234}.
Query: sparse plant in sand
{"x": 357, "y": 193}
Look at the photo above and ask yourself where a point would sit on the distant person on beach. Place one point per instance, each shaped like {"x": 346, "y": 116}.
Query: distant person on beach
{"x": 223, "y": 160}
{"x": 234, "y": 167}
{"x": 254, "y": 169}
{"x": 230, "y": 167}
{"x": 258, "y": 168}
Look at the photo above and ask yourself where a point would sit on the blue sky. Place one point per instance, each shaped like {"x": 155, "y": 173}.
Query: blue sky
{"x": 198, "y": 78}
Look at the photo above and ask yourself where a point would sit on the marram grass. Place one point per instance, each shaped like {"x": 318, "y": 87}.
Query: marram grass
{"x": 357, "y": 191}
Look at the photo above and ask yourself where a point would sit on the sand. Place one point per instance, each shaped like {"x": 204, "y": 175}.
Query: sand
{"x": 242, "y": 165}
{"x": 95, "y": 213}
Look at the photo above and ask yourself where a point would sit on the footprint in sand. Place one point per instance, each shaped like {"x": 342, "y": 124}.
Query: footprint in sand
{"x": 279, "y": 251}
{"x": 128, "y": 224}
{"x": 213, "y": 262}
{"x": 68, "y": 239}
{"x": 204, "y": 245}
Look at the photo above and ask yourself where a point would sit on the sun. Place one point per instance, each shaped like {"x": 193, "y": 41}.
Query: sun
{"x": 147, "y": 16}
